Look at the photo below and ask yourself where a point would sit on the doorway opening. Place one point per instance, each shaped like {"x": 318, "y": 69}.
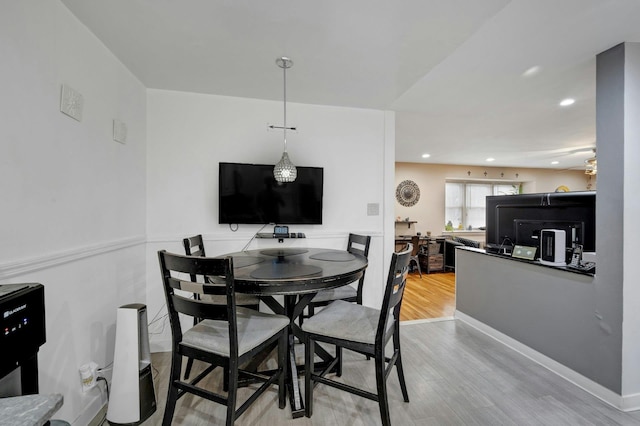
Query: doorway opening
{"x": 431, "y": 297}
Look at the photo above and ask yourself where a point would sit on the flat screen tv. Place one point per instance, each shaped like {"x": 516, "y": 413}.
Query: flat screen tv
{"x": 248, "y": 194}
{"x": 518, "y": 219}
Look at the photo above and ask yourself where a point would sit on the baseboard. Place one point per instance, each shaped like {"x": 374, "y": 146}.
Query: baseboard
{"x": 93, "y": 411}
{"x": 99, "y": 418}
{"x": 629, "y": 403}
{"x": 420, "y": 321}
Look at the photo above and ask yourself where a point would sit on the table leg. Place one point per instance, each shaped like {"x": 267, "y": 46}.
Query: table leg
{"x": 293, "y": 307}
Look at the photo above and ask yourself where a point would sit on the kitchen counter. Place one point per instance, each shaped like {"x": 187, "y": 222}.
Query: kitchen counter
{"x": 29, "y": 410}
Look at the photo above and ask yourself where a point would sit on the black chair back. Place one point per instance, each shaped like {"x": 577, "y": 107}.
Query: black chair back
{"x": 194, "y": 246}
{"x": 172, "y": 265}
{"x": 415, "y": 242}
{"x": 359, "y": 244}
{"x": 393, "y": 293}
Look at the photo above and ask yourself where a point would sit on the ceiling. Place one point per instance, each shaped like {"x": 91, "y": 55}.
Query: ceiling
{"x": 454, "y": 71}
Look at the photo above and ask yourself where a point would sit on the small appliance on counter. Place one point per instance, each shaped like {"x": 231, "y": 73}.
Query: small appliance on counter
{"x": 553, "y": 247}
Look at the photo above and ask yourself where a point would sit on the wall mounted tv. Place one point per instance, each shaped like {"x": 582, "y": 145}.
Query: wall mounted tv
{"x": 518, "y": 219}
{"x": 248, "y": 194}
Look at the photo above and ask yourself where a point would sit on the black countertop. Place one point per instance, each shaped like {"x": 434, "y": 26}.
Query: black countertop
{"x": 530, "y": 262}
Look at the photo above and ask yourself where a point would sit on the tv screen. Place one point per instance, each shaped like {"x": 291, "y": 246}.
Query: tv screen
{"x": 518, "y": 219}
{"x": 249, "y": 194}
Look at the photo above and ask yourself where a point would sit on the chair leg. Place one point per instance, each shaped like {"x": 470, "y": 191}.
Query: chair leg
{"x": 172, "y": 392}
{"x": 418, "y": 265}
{"x": 282, "y": 366}
{"x": 232, "y": 373}
{"x": 399, "y": 369}
{"x": 187, "y": 370}
{"x": 339, "y": 364}
{"x": 382, "y": 389}
{"x": 225, "y": 381}
{"x": 303, "y": 316}
{"x": 310, "y": 312}
{"x": 308, "y": 371}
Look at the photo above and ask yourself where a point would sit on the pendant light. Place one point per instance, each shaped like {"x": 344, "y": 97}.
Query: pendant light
{"x": 285, "y": 171}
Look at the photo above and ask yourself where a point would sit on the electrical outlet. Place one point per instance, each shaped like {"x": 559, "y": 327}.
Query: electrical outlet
{"x": 88, "y": 375}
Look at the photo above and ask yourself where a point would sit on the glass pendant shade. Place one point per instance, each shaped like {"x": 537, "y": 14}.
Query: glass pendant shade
{"x": 285, "y": 171}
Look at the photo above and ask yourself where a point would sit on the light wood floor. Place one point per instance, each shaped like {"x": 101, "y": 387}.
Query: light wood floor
{"x": 455, "y": 376}
{"x": 432, "y": 296}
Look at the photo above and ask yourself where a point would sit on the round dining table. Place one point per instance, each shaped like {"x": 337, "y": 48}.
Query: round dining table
{"x": 297, "y": 274}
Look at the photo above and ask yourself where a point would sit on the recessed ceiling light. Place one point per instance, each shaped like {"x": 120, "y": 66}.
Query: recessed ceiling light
{"x": 532, "y": 71}
{"x": 426, "y": 155}
{"x": 567, "y": 102}
{"x": 490, "y": 159}
{"x": 555, "y": 162}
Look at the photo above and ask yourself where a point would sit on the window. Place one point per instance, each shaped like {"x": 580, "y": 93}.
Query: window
{"x": 465, "y": 202}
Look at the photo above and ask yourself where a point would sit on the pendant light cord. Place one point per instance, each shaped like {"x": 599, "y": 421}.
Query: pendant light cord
{"x": 284, "y": 73}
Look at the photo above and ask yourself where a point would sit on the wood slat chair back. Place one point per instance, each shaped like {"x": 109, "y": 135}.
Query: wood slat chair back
{"x": 192, "y": 266}
{"x": 356, "y": 244}
{"x": 415, "y": 257}
{"x": 194, "y": 246}
{"x": 359, "y": 244}
{"x": 393, "y": 294}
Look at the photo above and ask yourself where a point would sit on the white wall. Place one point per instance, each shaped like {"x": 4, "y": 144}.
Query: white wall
{"x": 189, "y": 134}
{"x": 73, "y": 200}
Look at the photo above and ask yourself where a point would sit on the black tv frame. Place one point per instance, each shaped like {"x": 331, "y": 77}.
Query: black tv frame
{"x": 517, "y": 219}
{"x": 249, "y": 194}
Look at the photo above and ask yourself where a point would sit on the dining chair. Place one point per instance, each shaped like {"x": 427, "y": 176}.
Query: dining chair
{"x": 358, "y": 244}
{"x": 365, "y": 330}
{"x": 227, "y": 335}
{"x": 415, "y": 242}
{"x": 194, "y": 246}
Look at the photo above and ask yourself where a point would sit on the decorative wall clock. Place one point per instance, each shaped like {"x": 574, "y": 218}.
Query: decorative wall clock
{"x": 407, "y": 193}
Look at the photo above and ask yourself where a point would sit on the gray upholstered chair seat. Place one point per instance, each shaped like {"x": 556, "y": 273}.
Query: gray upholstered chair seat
{"x": 344, "y": 292}
{"x": 347, "y": 321}
{"x": 253, "y": 328}
{"x": 242, "y": 299}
